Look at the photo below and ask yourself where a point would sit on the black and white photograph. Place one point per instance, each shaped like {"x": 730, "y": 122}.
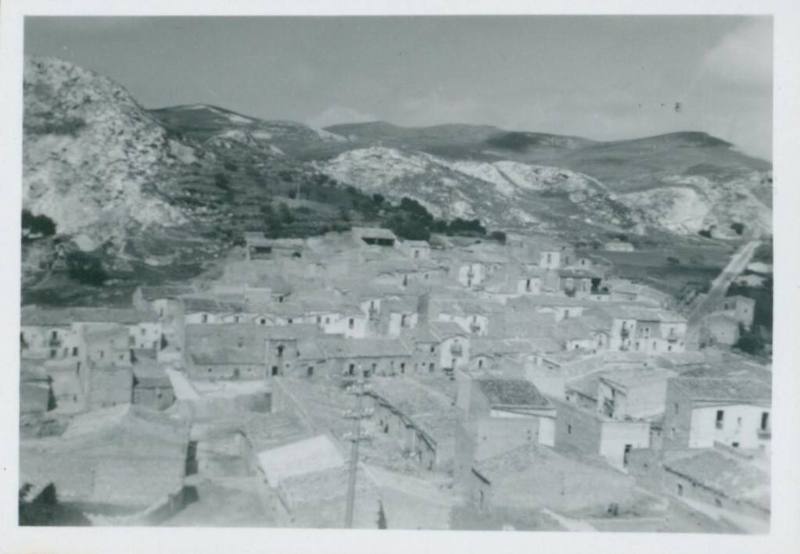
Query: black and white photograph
{"x": 404, "y": 271}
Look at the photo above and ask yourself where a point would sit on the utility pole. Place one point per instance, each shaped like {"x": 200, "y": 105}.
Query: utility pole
{"x": 359, "y": 388}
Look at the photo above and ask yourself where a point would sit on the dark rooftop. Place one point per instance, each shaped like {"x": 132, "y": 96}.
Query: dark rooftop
{"x": 512, "y": 392}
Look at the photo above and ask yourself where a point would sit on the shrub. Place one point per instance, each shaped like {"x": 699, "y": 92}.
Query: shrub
{"x": 750, "y": 342}
{"x": 37, "y": 226}
{"x": 499, "y": 236}
{"x": 85, "y": 268}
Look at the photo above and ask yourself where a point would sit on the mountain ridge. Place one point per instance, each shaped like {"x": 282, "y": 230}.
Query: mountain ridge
{"x": 131, "y": 181}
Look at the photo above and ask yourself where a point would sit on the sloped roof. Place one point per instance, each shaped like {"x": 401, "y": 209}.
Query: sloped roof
{"x": 632, "y": 377}
{"x": 512, "y": 392}
{"x": 334, "y": 347}
{"x": 727, "y": 474}
{"x": 210, "y": 305}
{"x": 303, "y": 457}
{"x": 35, "y": 315}
{"x": 226, "y": 344}
{"x": 495, "y": 347}
{"x": 126, "y": 455}
{"x": 724, "y": 389}
{"x": 165, "y": 291}
{"x": 373, "y": 232}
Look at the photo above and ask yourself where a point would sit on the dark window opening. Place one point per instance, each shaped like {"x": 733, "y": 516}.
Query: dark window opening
{"x": 310, "y": 371}
{"x": 720, "y": 419}
{"x": 274, "y": 371}
{"x": 764, "y": 421}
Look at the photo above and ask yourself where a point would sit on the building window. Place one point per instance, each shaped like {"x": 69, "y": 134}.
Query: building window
{"x": 431, "y": 367}
{"x": 351, "y": 323}
{"x": 680, "y": 489}
{"x": 290, "y": 321}
{"x": 480, "y": 364}
{"x": 351, "y": 369}
{"x": 262, "y": 321}
{"x": 319, "y": 319}
{"x": 402, "y": 367}
{"x": 310, "y": 371}
{"x": 274, "y": 370}
{"x": 569, "y": 428}
{"x": 720, "y": 419}
{"x": 204, "y": 318}
{"x": 74, "y": 350}
{"x": 764, "y": 420}
{"x": 433, "y": 349}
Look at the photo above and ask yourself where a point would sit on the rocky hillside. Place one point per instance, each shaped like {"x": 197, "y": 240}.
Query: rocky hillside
{"x": 681, "y": 183}
{"x": 94, "y": 161}
{"x": 154, "y": 194}
{"x": 503, "y": 194}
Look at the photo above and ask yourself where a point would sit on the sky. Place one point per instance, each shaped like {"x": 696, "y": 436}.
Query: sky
{"x": 600, "y": 77}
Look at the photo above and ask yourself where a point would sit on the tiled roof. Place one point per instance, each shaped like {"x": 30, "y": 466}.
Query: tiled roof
{"x": 35, "y": 315}
{"x": 226, "y": 344}
{"x": 167, "y": 291}
{"x": 724, "y": 389}
{"x": 725, "y": 473}
{"x": 632, "y": 377}
{"x": 373, "y": 232}
{"x": 210, "y": 305}
{"x": 363, "y": 348}
{"x": 512, "y": 392}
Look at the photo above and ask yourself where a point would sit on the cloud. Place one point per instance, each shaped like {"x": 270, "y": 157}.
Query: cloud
{"x": 743, "y": 56}
{"x": 334, "y": 115}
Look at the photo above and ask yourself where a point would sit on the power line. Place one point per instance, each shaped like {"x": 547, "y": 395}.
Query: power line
{"x": 359, "y": 388}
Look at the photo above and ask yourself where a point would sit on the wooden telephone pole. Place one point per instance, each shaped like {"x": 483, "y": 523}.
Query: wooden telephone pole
{"x": 359, "y": 388}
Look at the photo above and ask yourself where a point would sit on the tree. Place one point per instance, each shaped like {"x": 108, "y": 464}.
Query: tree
{"x": 37, "y": 226}
{"x": 285, "y": 213}
{"x": 85, "y": 268}
{"x": 499, "y": 236}
{"x": 221, "y": 181}
{"x": 381, "y": 517}
{"x": 750, "y": 342}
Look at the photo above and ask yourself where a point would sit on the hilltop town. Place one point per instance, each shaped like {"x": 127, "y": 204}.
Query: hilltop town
{"x": 357, "y": 379}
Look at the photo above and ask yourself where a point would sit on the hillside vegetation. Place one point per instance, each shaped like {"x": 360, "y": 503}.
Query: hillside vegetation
{"x": 154, "y": 195}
